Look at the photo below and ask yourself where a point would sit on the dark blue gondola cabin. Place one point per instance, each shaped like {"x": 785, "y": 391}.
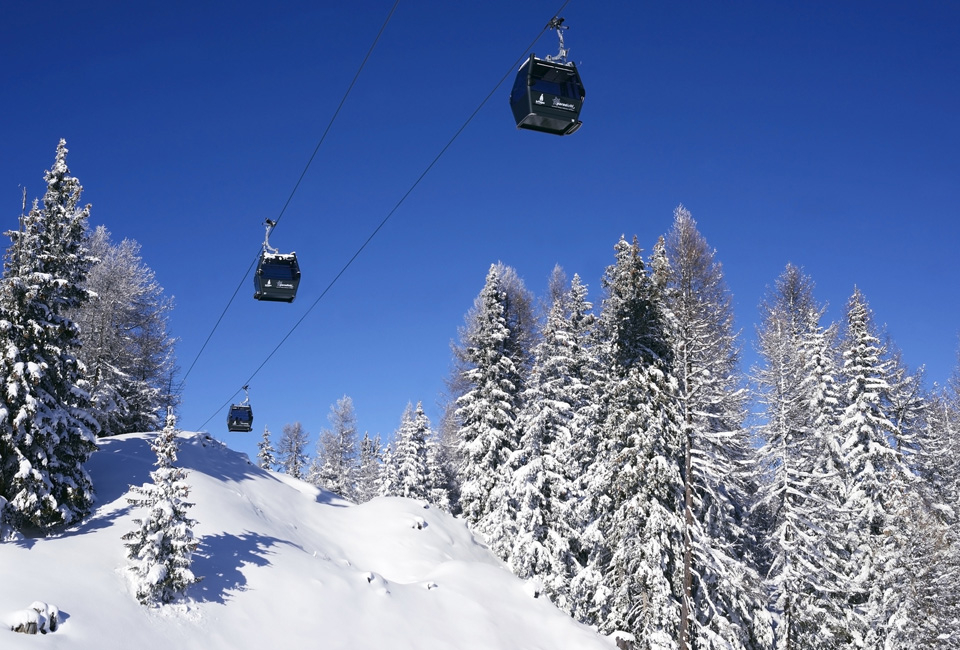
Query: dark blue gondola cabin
{"x": 547, "y": 96}
{"x": 240, "y": 418}
{"x": 277, "y": 277}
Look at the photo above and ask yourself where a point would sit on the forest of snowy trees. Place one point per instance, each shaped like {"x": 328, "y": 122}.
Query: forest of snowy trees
{"x": 607, "y": 455}
{"x": 616, "y": 454}
{"x": 416, "y": 464}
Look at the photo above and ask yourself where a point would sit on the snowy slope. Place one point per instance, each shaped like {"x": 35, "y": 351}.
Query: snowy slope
{"x": 283, "y": 564}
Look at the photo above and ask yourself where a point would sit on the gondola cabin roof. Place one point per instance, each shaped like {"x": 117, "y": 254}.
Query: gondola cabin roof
{"x": 277, "y": 277}
{"x": 547, "y": 96}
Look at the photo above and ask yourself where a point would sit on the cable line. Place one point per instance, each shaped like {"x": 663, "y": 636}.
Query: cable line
{"x": 293, "y": 191}
{"x": 384, "y": 221}
{"x": 337, "y": 112}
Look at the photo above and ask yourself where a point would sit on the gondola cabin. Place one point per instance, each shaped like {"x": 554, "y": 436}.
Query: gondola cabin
{"x": 547, "y": 96}
{"x": 240, "y": 418}
{"x": 277, "y": 277}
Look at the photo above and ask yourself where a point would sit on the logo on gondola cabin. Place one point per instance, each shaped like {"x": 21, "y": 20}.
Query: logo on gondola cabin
{"x": 268, "y": 284}
{"x": 540, "y": 101}
{"x": 559, "y": 103}
{"x": 284, "y": 285}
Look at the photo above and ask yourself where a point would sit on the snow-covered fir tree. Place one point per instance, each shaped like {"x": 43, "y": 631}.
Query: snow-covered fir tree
{"x": 291, "y": 450}
{"x": 266, "y": 454}
{"x": 906, "y": 402}
{"x": 443, "y": 455}
{"x": 46, "y": 430}
{"x": 337, "y": 453}
{"x": 928, "y": 521}
{"x": 410, "y": 456}
{"x": 126, "y": 349}
{"x": 876, "y": 479}
{"x": 368, "y": 474}
{"x": 440, "y": 476}
{"x": 545, "y": 484}
{"x": 314, "y": 471}
{"x": 162, "y": 545}
{"x": 487, "y": 414}
{"x": 920, "y": 602}
{"x": 521, "y": 329}
{"x": 586, "y": 367}
{"x": 925, "y": 612}
{"x": 938, "y": 461}
{"x": 723, "y": 604}
{"x": 521, "y": 319}
{"x": 388, "y": 480}
{"x": 634, "y": 540}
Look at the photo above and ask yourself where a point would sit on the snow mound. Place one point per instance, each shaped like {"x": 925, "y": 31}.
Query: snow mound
{"x": 284, "y": 564}
{"x": 38, "y": 618}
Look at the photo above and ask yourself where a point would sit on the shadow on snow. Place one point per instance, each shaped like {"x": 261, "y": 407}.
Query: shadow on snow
{"x": 220, "y": 560}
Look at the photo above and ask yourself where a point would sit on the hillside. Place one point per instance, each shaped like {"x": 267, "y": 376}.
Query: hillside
{"x": 284, "y": 564}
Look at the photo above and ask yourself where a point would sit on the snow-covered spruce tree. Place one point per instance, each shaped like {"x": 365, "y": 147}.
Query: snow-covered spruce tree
{"x": 126, "y": 349}
{"x": 906, "y": 402}
{"x": 724, "y": 604}
{"x": 634, "y": 541}
{"x": 545, "y": 483}
{"x": 46, "y": 432}
{"x": 580, "y": 457}
{"x": 800, "y": 465}
{"x": 592, "y": 503}
{"x": 521, "y": 323}
{"x": 291, "y": 450}
{"x": 814, "y": 556}
{"x": 337, "y": 450}
{"x": 410, "y": 453}
{"x": 520, "y": 319}
{"x": 388, "y": 480}
{"x": 444, "y": 453}
{"x": 585, "y": 368}
{"x": 368, "y": 474}
{"x": 266, "y": 454}
{"x": 876, "y": 479}
{"x": 440, "y": 474}
{"x": 938, "y": 461}
{"x": 314, "y": 472}
{"x": 921, "y": 602}
{"x": 487, "y": 413}
{"x": 423, "y": 430}
{"x": 923, "y": 575}
{"x": 926, "y": 572}
{"x": 161, "y": 547}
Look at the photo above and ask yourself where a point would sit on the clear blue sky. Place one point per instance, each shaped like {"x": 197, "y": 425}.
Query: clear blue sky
{"x": 820, "y": 133}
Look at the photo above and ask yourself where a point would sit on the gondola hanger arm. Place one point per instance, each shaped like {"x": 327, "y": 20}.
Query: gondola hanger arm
{"x": 269, "y": 223}
{"x": 557, "y": 23}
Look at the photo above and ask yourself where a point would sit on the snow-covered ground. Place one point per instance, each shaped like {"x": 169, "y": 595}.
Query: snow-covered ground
{"x": 284, "y": 565}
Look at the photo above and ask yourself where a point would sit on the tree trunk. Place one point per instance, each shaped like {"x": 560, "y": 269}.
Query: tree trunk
{"x": 684, "y": 632}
